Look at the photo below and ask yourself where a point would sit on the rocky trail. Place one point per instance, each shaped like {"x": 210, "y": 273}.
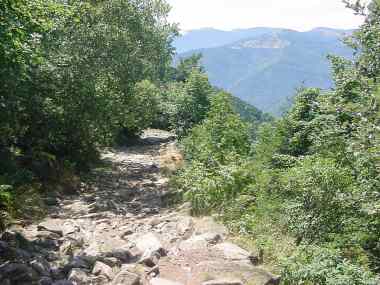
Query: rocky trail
{"x": 119, "y": 229}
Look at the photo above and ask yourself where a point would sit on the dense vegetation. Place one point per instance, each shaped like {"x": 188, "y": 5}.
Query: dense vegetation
{"x": 74, "y": 76}
{"x": 305, "y": 190}
{"x": 80, "y": 75}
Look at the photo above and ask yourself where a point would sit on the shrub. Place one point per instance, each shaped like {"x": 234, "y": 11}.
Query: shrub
{"x": 314, "y": 265}
{"x": 320, "y": 198}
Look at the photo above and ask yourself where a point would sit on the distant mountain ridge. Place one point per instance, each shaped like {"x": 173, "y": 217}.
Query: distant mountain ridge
{"x": 209, "y": 37}
{"x": 264, "y": 66}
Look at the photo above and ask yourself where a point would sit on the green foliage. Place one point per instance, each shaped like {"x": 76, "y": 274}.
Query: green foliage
{"x": 222, "y": 134}
{"x": 142, "y": 108}
{"x": 324, "y": 266}
{"x": 248, "y": 112}
{"x": 193, "y": 105}
{"x": 75, "y": 75}
{"x": 311, "y": 178}
{"x": 187, "y": 65}
{"x": 215, "y": 173}
{"x": 313, "y": 188}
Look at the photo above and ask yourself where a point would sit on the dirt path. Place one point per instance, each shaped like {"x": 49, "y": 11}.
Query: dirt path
{"x": 119, "y": 230}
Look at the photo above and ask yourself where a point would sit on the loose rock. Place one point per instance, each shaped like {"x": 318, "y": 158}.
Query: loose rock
{"x": 223, "y": 282}
{"x": 78, "y": 276}
{"x": 161, "y": 281}
{"x": 103, "y": 269}
{"x": 125, "y": 277}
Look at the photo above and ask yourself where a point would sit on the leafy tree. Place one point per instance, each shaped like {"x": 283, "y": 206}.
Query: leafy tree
{"x": 74, "y": 75}
{"x": 194, "y": 103}
{"x": 187, "y": 65}
{"x": 214, "y": 174}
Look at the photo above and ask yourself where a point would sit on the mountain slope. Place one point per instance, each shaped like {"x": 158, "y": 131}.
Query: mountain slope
{"x": 209, "y": 37}
{"x": 265, "y": 69}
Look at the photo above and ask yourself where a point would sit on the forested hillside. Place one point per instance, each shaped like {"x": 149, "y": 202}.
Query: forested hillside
{"x": 248, "y": 66}
{"x": 80, "y": 78}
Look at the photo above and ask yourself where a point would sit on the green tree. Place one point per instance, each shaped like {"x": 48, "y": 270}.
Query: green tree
{"x": 194, "y": 103}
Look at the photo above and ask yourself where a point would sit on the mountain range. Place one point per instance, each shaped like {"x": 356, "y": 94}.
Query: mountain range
{"x": 264, "y": 66}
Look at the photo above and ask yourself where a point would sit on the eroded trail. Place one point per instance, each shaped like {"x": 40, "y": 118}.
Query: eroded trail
{"x": 120, "y": 230}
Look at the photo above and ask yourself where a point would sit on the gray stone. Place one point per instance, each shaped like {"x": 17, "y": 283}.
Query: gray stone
{"x": 77, "y": 262}
{"x": 64, "y": 282}
{"x": 124, "y": 255}
{"x": 101, "y": 268}
{"x": 126, "y": 233}
{"x": 47, "y": 243}
{"x": 124, "y": 277}
{"x": 52, "y": 225}
{"x": 5, "y": 250}
{"x": 78, "y": 276}
{"x": 98, "y": 280}
{"x": 111, "y": 261}
{"x": 57, "y": 273}
{"x": 51, "y": 201}
{"x": 6, "y": 282}
{"x": 17, "y": 272}
{"x": 45, "y": 281}
{"x": 41, "y": 266}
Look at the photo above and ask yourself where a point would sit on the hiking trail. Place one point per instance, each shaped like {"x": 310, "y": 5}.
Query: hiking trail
{"x": 120, "y": 229}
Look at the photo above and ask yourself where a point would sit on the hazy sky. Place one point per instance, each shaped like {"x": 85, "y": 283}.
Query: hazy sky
{"x": 231, "y": 14}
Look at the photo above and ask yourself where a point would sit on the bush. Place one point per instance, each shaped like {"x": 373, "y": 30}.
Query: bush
{"x": 215, "y": 174}
{"x": 320, "y": 198}
{"x": 193, "y": 103}
{"x": 213, "y": 188}
{"x": 314, "y": 265}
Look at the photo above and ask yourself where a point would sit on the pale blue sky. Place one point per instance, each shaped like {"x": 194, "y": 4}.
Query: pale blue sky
{"x": 231, "y": 14}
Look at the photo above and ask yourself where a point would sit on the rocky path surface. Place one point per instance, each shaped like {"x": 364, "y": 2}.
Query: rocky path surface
{"x": 120, "y": 230}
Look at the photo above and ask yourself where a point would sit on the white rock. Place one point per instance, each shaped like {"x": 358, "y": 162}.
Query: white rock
{"x": 233, "y": 252}
{"x": 223, "y": 282}
{"x": 185, "y": 226}
{"x": 78, "y": 276}
{"x": 101, "y": 268}
{"x": 162, "y": 281}
{"x": 149, "y": 243}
